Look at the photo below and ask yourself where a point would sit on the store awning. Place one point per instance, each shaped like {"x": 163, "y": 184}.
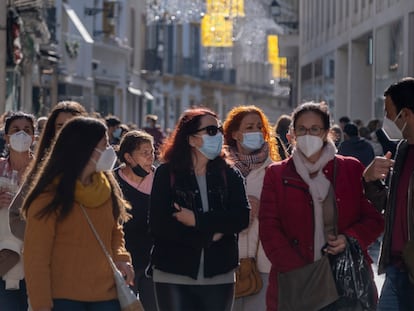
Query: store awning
{"x": 148, "y": 95}
{"x": 78, "y": 23}
{"x": 134, "y": 91}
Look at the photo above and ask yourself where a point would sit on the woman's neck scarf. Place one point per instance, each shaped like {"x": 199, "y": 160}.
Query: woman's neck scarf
{"x": 248, "y": 162}
{"x": 318, "y": 188}
{"x": 94, "y": 194}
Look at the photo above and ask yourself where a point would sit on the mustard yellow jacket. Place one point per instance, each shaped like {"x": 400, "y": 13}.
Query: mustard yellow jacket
{"x": 64, "y": 259}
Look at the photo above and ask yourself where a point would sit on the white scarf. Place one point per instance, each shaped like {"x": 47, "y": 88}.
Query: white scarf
{"x": 318, "y": 187}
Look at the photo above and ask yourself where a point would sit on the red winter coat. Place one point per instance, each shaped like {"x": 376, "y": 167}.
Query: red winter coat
{"x": 286, "y": 224}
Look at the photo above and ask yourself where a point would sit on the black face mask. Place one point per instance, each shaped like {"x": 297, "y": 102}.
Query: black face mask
{"x": 139, "y": 171}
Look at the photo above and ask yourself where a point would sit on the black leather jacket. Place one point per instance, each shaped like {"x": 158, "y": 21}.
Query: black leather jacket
{"x": 177, "y": 248}
{"x": 385, "y": 200}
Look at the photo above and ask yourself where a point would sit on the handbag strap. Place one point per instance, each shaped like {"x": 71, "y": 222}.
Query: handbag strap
{"x": 108, "y": 256}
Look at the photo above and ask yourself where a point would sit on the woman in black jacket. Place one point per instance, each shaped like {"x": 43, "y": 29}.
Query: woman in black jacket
{"x": 136, "y": 151}
{"x": 198, "y": 206}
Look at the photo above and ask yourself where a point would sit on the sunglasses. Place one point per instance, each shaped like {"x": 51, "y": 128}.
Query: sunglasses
{"x": 211, "y": 130}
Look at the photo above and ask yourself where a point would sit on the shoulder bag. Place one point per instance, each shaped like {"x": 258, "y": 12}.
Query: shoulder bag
{"x": 248, "y": 279}
{"x": 311, "y": 287}
{"x": 127, "y": 299}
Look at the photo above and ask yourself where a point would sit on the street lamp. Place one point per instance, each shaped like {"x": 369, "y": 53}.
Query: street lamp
{"x": 276, "y": 11}
{"x": 108, "y": 11}
{"x": 110, "y": 16}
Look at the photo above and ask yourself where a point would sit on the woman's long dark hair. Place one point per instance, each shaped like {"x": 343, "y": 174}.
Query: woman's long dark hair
{"x": 49, "y": 131}
{"x": 176, "y": 149}
{"x": 66, "y": 161}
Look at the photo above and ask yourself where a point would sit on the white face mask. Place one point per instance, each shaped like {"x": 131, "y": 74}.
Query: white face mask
{"x": 252, "y": 141}
{"x": 107, "y": 159}
{"x": 309, "y": 144}
{"x": 391, "y": 129}
{"x": 20, "y": 141}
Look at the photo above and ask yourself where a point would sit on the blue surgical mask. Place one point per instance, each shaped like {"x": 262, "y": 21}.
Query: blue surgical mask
{"x": 252, "y": 141}
{"x": 212, "y": 145}
{"x": 117, "y": 133}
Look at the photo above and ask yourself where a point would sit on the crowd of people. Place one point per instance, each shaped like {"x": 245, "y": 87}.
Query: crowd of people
{"x": 178, "y": 213}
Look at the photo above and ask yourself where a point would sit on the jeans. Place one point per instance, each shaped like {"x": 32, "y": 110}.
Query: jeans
{"x": 13, "y": 299}
{"x": 177, "y": 297}
{"x": 71, "y": 305}
{"x": 397, "y": 293}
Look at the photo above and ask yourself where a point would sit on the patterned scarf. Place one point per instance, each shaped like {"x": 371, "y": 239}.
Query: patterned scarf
{"x": 248, "y": 162}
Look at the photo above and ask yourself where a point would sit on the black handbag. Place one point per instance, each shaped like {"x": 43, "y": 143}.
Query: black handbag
{"x": 353, "y": 279}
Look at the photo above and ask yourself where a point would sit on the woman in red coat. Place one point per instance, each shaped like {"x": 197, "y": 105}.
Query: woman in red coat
{"x": 291, "y": 225}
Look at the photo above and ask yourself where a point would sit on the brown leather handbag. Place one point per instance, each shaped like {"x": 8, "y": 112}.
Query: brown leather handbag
{"x": 248, "y": 279}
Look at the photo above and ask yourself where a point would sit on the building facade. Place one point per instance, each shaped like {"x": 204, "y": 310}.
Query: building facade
{"x": 182, "y": 72}
{"x": 350, "y": 51}
{"x": 112, "y": 58}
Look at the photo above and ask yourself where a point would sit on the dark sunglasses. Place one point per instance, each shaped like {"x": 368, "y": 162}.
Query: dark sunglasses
{"x": 211, "y": 130}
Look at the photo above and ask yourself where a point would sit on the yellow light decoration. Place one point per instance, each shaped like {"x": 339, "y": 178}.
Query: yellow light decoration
{"x": 229, "y": 8}
{"x": 216, "y": 31}
{"x": 278, "y": 63}
{"x": 272, "y": 49}
{"x": 279, "y": 69}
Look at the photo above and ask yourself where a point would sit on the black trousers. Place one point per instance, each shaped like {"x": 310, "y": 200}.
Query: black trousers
{"x": 177, "y": 297}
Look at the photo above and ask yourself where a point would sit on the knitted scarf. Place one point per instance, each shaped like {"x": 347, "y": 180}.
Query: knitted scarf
{"x": 318, "y": 187}
{"x": 248, "y": 162}
{"x": 94, "y": 194}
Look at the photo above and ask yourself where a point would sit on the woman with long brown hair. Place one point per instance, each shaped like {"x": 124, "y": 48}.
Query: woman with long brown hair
{"x": 65, "y": 266}
{"x": 198, "y": 206}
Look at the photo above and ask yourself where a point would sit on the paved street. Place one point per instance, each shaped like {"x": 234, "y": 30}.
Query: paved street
{"x": 374, "y": 253}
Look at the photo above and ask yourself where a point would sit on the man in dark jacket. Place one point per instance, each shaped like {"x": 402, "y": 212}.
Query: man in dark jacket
{"x": 355, "y": 146}
{"x": 397, "y": 252}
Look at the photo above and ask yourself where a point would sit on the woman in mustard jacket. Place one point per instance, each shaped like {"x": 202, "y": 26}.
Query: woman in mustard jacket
{"x": 65, "y": 266}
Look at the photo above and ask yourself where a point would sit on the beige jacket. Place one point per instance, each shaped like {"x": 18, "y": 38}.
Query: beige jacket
{"x": 249, "y": 238}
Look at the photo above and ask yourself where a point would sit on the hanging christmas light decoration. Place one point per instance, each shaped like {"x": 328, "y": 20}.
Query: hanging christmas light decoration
{"x": 225, "y": 25}
{"x": 175, "y": 11}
